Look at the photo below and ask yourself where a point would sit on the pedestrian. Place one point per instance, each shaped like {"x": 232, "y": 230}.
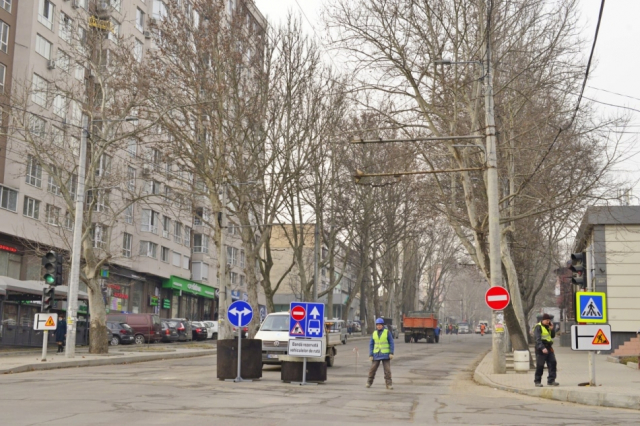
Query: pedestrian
{"x": 437, "y": 333}
{"x": 482, "y": 327}
{"x": 543, "y": 334}
{"x": 381, "y": 350}
{"x": 61, "y": 333}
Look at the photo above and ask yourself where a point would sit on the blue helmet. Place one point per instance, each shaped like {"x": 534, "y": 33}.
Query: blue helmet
{"x": 379, "y": 321}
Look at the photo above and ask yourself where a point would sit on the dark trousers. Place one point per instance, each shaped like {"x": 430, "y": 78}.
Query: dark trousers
{"x": 550, "y": 359}
{"x": 386, "y": 364}
{"x": 437, "y": 338}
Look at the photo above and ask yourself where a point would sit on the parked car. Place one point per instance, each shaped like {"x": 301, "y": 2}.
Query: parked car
{"x": 463, "y": 328}
{"x": 199, "y": 330}
{"x": 120, "y": 333}
{"x": 212, "y": 329}
{"x": 245, "y": 332}
{"x": 146, "y": 327}
{"x": 338, "y": 326}
{"x": 393, "y": 329}
{"x": 169, "y": 331}
{"x": 184, "y": 329}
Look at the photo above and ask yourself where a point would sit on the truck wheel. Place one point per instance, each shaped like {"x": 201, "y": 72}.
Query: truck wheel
{"x": 344, "y": 342}
{"x": 330, "y": 359}
{"x": 407, "y": 338}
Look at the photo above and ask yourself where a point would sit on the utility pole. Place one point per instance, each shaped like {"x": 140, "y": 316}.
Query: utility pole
{"x": 223, "y": 295}
{"x": 493, "y": 201}
{"x": 316, "y": 259}
{"x": 76, "y": 250}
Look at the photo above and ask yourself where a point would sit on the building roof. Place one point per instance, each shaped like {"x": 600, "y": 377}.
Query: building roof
{"x": 605, "y": 215}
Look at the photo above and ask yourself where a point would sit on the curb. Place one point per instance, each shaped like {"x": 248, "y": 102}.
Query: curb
{"x": 601, "y": 399}
{"x": 125, "y": 359}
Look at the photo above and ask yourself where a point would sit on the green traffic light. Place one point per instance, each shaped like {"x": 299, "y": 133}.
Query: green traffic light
{"x": 49, "y": 279}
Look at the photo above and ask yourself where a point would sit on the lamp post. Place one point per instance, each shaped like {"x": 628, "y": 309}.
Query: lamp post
{"x": 491, "y": 160}
{"x": 76, "y": 248}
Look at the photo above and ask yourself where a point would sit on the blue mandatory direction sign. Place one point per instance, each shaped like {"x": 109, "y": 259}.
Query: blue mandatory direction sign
{"x": 306, "y": 320}
{"x": 591, "y": 306}
{"x": 240, "y": 313}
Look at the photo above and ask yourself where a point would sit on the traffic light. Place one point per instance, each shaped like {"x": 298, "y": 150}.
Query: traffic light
{"x": 579, "y": 269}
{"x": 48, "y": 294}
{"x": 52, "y": 263}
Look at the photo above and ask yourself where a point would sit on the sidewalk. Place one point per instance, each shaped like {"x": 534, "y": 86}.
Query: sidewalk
{"x": 617, "y": 385}
{"x": 21, "y": 362}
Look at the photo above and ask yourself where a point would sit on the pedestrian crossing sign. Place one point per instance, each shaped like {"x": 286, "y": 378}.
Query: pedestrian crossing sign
{"x": 591, "y": 307}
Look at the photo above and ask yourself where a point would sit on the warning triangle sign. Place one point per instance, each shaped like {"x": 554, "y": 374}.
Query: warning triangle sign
{"x": 600, "y": 338}
{"x": 591, "y": 310}
{"x": 50, "y": 322}
{"x": 297, "y": 329}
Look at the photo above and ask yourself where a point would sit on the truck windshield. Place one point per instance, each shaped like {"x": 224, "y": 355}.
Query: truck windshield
{"x": 275, "y": 323}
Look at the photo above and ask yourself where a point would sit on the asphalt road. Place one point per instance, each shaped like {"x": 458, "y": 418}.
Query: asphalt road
{"x": 432, "y": 385}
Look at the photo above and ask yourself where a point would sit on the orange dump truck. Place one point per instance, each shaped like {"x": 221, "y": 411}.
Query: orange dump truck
{"x": 419, "y": 325}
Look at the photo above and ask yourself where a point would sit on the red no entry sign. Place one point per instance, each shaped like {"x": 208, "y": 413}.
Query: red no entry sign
{"x": 497, "y": 298}
{"x": 298, "y": 313}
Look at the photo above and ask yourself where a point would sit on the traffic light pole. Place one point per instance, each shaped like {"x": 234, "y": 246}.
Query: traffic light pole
{"x": 493, "y": 200}
{"x": 76, "y": 250}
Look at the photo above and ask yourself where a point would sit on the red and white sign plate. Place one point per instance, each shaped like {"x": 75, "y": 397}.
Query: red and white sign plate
{"x": 497, "y": 298}
{"x": 298, "y": 313}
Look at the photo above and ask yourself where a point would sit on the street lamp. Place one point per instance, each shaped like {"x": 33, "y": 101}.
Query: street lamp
{"x": 76, "y": 250}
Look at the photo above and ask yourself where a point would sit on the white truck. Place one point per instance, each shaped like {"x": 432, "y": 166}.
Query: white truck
{"x": 274, "y": 333}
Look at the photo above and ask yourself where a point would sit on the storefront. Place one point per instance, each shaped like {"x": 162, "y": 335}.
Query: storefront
{"x": 182, "y": 298}
{"x": 126, "y": 291}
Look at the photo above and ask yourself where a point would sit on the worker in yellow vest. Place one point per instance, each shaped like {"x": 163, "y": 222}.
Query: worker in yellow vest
{"x": 543, "y": 334}
{"x": 381, "y": 350}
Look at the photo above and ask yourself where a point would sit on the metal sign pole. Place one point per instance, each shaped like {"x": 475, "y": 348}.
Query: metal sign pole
{"x": 239, "y": 377}
{"x": 45, "y": 343}
{"x": 304, "y": 372}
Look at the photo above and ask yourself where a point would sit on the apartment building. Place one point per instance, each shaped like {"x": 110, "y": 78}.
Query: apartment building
{"x": 161, "y": 258}
{"x": 290, "y": 289}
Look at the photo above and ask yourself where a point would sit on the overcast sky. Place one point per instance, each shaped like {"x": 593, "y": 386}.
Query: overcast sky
{"x": 616, "y": 69}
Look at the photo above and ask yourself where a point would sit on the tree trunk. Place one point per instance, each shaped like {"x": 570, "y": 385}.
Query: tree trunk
{"x": 98, "y": 343}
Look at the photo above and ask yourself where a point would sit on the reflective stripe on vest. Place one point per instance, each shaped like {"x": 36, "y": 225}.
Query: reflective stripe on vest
{"x": 545, "y": 333}
{"x": 380, "y": 343}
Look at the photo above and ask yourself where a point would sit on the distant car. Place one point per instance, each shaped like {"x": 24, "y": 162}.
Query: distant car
{"x": 170, "y": 331}
{"x": 146, "y": 327}
{"x": 184, "y": 329}
{"x": 245, "y": 332}
{"x": 463, "y": 328}
{"x": 478, "y": 329}
{"x": 212, "y": 329}
{"x": 338, "y": 326}
{"x": 198, "y": 330}
{"x": 120, "y": 333}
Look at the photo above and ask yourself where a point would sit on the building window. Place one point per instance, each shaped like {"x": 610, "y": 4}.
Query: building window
{"x": 132, "y": 147}
{"x": 34, "y": 172}
{"x": 177, "y": 233}
{"x": 152, "y": 187}
{"x": 127, "y": 242}
{"x": 52, "y": 215}
{"x": 68, "y": 220}
{"x": 187, "y": 236}
{"x": 37, "y": 126}
{"x": 4, "y": 37}
{"x": 139, "y": 20}
{"x": 8, "y": 199}
{"x": 200, "y": 243}
{"x": 166, "y": 226}
{"x": 185, "y": 262}
{"x": 45, "y": 13}
{"x": 114, "y": 33}
{"x": 39, "y": 93}
{"x": 60, "y": 106}
{"x": 3, "y": 73}
{"x": 149, "y": 249}
{"x": 242, "y": 258}
{"x": 72, "y": 186}
{"x": 199, "y": 271}
{"x": 149, "y": 221}
{"x": 6, "y": 5}
{"x": 128, "y": 212}
{"x": 242, "y": 280}
{"x": 177, "y": 257}
{"x": 164, "y": 254}
{"x": 233, "y": 278}
{"x": 99, "y": 198}
{"x": 201, "y": 217}
{"x": 232, "y": 256}
{"x": 104, "y": 166}
{"x": 65, "y": 29}
{"x": 43, "y": 47}
{"x": 31, "y": 208}
{"x": 63, "y": 61}
{"x": 131, "y": 178}
{"x": 138, "y": 50}
{"x": 52, "y": 182}
{"x": 99, "y": 235}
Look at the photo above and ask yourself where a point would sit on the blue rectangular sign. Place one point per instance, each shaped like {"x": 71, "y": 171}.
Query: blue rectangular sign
{"x": 591, "y": 307}
{"x": 306, "y": 320}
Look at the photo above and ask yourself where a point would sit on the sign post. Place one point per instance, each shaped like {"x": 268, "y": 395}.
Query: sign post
{"x": 306, "y": 325}
{"x": 45, "y": 322}
{"x": 239, "y": 315}
{"x": 591, "y": 307}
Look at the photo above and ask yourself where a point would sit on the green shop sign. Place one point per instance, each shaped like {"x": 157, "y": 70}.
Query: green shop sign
{"x": 166, "y": 304}
{"x": 188, "y": 286}
{"x": 154, "y": 300}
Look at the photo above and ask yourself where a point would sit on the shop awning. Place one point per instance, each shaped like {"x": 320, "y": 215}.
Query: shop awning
{"x": 188, "y": 286}
{"x": 13, "y": 285}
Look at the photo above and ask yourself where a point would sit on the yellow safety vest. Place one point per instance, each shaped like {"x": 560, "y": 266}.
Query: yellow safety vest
{"x": 380, "y": 343}
{"x": 545, "y": 333}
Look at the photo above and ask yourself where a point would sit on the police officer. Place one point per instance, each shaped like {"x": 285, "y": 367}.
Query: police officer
{"x": 380, "y": 350}
{"x": 543, "y": 334}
